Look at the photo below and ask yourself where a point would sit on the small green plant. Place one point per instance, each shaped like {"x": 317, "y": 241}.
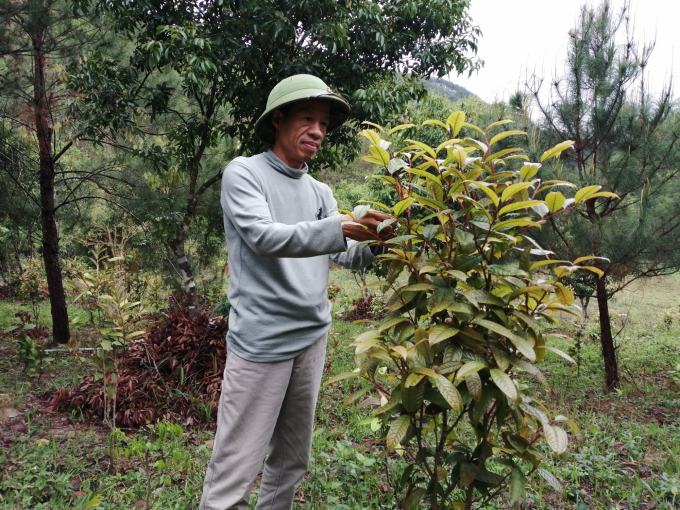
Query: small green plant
{"x": 33, "y": 288}
{"x": 447, "y": 360}
{"x": 157, "y": 454}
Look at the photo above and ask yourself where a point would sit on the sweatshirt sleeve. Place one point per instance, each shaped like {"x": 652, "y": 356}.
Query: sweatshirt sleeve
{"x": 245, "y": 205}
{"x": 353, "y": 257}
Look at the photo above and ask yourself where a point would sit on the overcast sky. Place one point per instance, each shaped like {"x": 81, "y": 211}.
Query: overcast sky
{"x": 532, "y": 35}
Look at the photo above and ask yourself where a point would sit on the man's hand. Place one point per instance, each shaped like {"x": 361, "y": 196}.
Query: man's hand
{"x": 370, "y": 221}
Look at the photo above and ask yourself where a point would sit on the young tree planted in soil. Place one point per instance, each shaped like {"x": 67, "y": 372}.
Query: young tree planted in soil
{"x": 626, "y": 140}
{"x": 466, "y": 327}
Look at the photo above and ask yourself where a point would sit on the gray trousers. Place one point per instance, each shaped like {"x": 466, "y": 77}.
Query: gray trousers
{"x": 264, "y": 407}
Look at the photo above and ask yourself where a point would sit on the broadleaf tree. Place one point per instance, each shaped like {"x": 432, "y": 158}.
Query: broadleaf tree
{"x": 221, "y": 58}
{"x": 626, "y": 140}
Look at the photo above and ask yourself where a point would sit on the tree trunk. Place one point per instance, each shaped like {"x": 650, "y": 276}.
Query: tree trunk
{"x": 177, "y": 246}
{"x": 50, "y": 234}
{"x": 611, "y": 370}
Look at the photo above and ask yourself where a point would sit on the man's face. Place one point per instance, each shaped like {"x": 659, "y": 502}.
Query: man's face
{"x": 300, "y": 133}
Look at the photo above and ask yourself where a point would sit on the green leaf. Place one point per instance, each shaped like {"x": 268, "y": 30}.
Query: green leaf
{"x": 449, "y": 392}
{"x": 550, "y": 478}
{"x": 505, "y": 384}
{"x": 397, "y": 431}
{"x": 556, "y": 151}
{"x": 441, "y": 332}
{"x": 413, "y": 499}
{"x": 341, "y": 377}
{"x": 417, "y": 287}
{"x": 558, "y": 352}
{"x": 356, "y": 395}
{"x": 456, "y": 121}
{"x": 517, "y": 485}
{"x": 554, "y": 200}
{"x": 474, "y": 385}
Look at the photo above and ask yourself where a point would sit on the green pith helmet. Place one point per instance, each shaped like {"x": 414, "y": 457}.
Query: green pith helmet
{"x": 297, "y": 88}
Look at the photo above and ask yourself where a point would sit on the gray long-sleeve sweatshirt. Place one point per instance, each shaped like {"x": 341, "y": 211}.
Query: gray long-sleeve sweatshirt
{"x": 282, "y": 228}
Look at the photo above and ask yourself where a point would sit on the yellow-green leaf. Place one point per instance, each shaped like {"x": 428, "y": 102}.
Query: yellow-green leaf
{"x": 397, "y": 431}
{"x": 377, "y": 126}
{"x": 556, "y": 151}
{"x": 563, "y": 294}
{"x": 528, "y": 171}
{"x": 434, "y": 121}
{"x": 554, "y": 200}
{"x": 504, "y": 134}
{"x": 423, "y": 147}
{"x": 471, "y": 367}
{"x": 558, "y": 352}
{"x": 400, "y": 207}
{"x": 583, "y": 259}
{"x": 472, "y": 126}
{"x": 504, "y": 225}
{"x": 604, "y": 194}
{"x": 585, "y": 193}
{"x": 418, "y": 287}
{"x": 518, "y": 205}
{"x": 505, "y": 384}
{"x": 546, "y": 263}
{"x": 485, "y": 189}
{"x": 413, "y": 379}
{"x": 456, "y": 121}
{"x": 372, "y": 136}
{"x": 474, "y": 385}
{"x": 399, "y": 128}
{"x": 380, "y": 154}
{"x": 440, "y": 332}
{"x": 497, "y": 123}
{"x": 592, "y": 269}
{"x": 449, "y": 392}
{"x": 513, "y": 189}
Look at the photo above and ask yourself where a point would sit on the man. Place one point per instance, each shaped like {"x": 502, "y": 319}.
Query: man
{"x": 282, "y": 228}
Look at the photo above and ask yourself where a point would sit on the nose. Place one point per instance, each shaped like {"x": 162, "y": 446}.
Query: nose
{"x": 317, "y": 129}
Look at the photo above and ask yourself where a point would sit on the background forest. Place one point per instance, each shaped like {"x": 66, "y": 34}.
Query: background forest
{"x": 517, "y": 347}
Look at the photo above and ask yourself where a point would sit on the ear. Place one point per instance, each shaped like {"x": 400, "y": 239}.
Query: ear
{"x": 277, "y": 117}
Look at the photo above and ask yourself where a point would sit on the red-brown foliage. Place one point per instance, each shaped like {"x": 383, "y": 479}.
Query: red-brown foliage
{"x": 172, "y": 373}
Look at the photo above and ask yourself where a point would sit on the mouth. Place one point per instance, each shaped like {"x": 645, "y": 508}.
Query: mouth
{"x": 311, "y": 146}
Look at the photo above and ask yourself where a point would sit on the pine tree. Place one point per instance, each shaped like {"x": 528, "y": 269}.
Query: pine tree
{"x": 626, "y": 139}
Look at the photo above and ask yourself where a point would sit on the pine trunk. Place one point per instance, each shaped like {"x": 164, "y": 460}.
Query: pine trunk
{"x": 611, "y": 370}
{"x": 50, "y": 234}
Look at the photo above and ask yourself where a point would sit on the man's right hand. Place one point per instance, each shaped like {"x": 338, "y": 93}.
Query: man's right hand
{"x": 370, "y": 220}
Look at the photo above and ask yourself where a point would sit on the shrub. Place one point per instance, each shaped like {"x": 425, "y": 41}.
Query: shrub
{"x": 446, "y": 360}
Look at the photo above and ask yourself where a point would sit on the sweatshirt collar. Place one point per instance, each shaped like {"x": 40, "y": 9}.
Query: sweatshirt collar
{"x": 280, "y": 166}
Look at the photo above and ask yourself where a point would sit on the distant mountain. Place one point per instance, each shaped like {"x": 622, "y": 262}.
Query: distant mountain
{"x": 447, "y": 89}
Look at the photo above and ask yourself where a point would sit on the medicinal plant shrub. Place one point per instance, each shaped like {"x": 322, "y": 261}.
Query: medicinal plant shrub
{"x": 464, "y": 326}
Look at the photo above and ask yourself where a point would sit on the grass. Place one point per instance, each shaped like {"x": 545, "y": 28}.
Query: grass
{"x": 627, "y": 455}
